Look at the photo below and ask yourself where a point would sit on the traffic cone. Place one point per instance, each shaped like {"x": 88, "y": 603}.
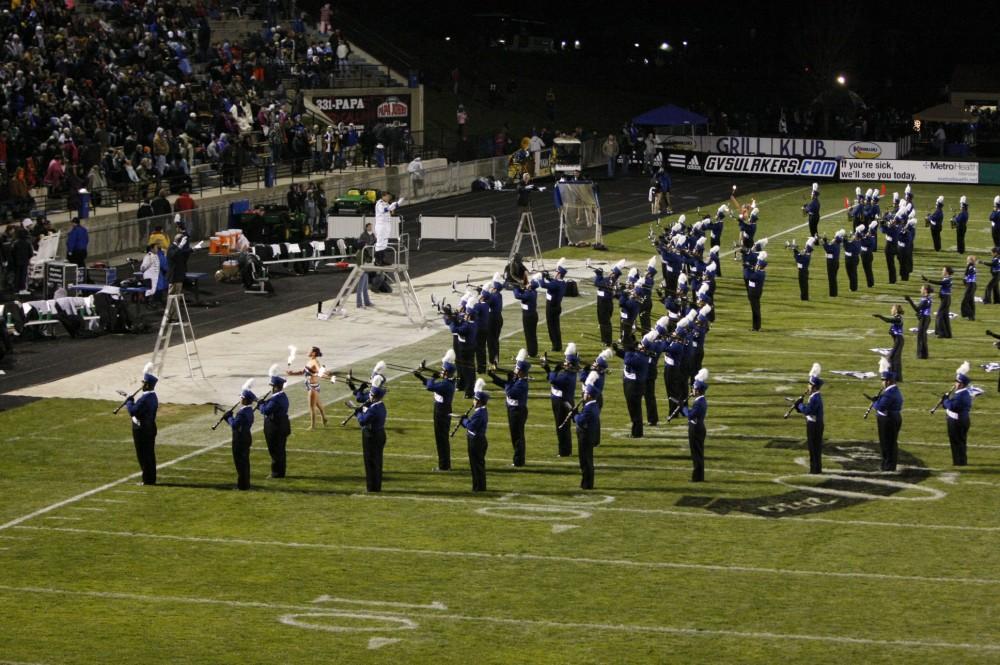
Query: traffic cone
{"x": 883, "y": 189}
{"x": 847, "y": 202}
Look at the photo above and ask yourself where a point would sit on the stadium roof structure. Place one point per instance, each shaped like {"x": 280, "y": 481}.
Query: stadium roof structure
{"x": 669, "y": 115}
{"x": 945, "y": 113}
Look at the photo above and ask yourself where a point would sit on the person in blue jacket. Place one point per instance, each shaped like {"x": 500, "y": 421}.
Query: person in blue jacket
{"x": 811, "y": 209}
{"x": 475, "y": 426}
{"x": 442, "y": 385}
{"x": 960, "y": 222}
{"x": 942, "y": 321}
{"x": 277, "y": 426}
{"x": 695, "y": 414}
{"x": 833, "y": 260}
{"x": 562, "y": 388}
{"x": 935, "y": 221}
{"x": 633, "y": 382}
{"x": 811, "y": 406}
{"x": 923, "y": 312}
{"x": 895, "y": 358}
{"x": 588, "y": 431}
{"x": 371, "y": 416}
{"x": 76, "y": 243}
{"x": 463, "y": 327}
{"x": 515, "y": 390}
{"x": 957, "y": 406}
{"x": 992, "y": 295}
{"x": 869, "y": 246}
{"x": 968, "y": 308}
{"x": 241, "y": 423}
{"x": 555, "y": 291}
{"x": 888, "y": 405}
{"x": 527, "y": 295}
{"x": 143, "y": 412}
{"x": 852, "y": 255}
{"x": 802, "y": 260}
{"x": 755, "y": 288}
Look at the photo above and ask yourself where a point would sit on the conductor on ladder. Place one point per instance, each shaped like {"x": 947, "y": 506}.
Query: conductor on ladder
{"x": 383, "y": 225}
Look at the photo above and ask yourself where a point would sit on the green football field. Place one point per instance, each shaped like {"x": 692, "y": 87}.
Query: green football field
{"x": 760, "y": 564}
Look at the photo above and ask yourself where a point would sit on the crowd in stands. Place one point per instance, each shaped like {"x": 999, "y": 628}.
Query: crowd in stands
{"x": 124, "y": 98}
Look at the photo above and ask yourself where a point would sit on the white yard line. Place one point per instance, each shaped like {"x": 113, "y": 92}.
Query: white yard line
{"x": 65, "y": 519}
{"x": 93, "y": 510}
{"x": 576, "y": 627}
{"x": 519, "y": 556}
{"x": 108, "y": 501}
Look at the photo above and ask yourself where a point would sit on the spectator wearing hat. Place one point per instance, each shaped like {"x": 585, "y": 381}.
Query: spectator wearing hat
{"x": 958, "y": 404}
{"x": 277, "y": 427}
{"x": 811, "y": 406}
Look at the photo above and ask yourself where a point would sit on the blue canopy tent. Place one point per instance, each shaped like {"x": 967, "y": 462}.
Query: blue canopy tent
{"x": 670, "y": 116}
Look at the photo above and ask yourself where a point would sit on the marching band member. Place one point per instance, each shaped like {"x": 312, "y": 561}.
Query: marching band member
{"x": 935, "y": 221}
{"x": 995, "y": 221}
{"x": 907, "y": 238}
{"x": 833, "y": 260}
{"x": 371, "y": 415}
{"x": 475, "y": 433}
{"x": 277, "y": 427}
{"x": 143, "y": 412}
{"x": 695, "y": 415}
{"x": 969, "y": 298}
{"x": 755, "y": 288}
{"x": 852, "y": 254}
{"x": 443, "y": 386}
{"x": 957, "y": 406}
{"x": 992, "y": 295}
{"x": 869, "y": 246}
{"x": 888, "y": 406}
{"x": 555, "y": 291}
{"x": 811, "y": 209}
{"x": 811, "y": 406}
{"x": 923, "y": 312}
{"x": 960, "y": 223}
{"x": 480, "y": 304}
{"x": 241, "y": 422}
{"x": 942, "y": 321}
{"x": 651, "y": 349}
{"x": 895, "y": 358}
{"x": 629, "y": 306}
{"x": 605, "y": 288}
{"x": 528, "y": 295}
{"x": 588, "y": 430}
{"x": 802, "y": 260}
{"x": 891, "y": 233}
{"x": 464, "y": 328}
{"x": 495, "y": 299}
{"x": 515, "y": 390}
{"x": 633, "y": 383}
{"x": 562, "y": 384}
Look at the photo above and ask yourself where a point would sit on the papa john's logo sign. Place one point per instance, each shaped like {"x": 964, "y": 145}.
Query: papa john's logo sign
{"x": 393, "y": 108}
{"x": 865, "y": 150}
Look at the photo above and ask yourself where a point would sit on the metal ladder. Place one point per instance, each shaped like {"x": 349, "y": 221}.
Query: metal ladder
{"x": 176, "y": 316}
{"x": 526, "y": 229}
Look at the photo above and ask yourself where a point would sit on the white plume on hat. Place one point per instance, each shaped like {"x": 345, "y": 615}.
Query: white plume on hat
{"x": 497, "y": 277}
{"x": 860, "y": 228}
{"x": 247, "y": 385}
{"x": 652, "y": 262}
{"x": 908, "y": 190}
{"x": 815, "y": 370}
{"x": 592, "y": 378}
{"x": 762, "y": 243}
{"x": 682, "y": 219}
{"x": 377, "y": 381}
{"x": 873, "y": 226}
{"x": 940, "y": 199}
{"x": 682, "y": 279}
{"x": 996, "y": 200}
{"x": 705, "y": 311}
{"x": 480, "y": 386}
{"x": 868, "y": 194}
{"x": 677, "y": 227}
{"x": 815, "y": 186}
{"x": 662, "y": 322}
{"x": 469, "y": 297}
{"x": 522, "y": 355}
{"x": 561, "y": 263}
{"x": 895, "y": 196}
{"x": 754, "y": 211}
{"x": 702, "y": 375}
{"x": 711, "y": 267}
{"x": 273, "y": 370}
{"x": 570, "y": 349}
{"x": 379, "y": 367}
{"x": 714, "y": 250}
{"x": 680, "y": 239}
{"x": 963, "y": 368}
{"x": 810, "y": 241}
{"x": 649, "y": 337}
{"x": 724, "y": 209}
{"x": 633, "y": 273}
{"x": 621, "y": 265}
{"x": 449, "y": 357}
{"x": 762, "y": 256}
{"x": 963, "y": 200}
{"x": 840, "y": 233}
{"x": 148, "y": 369}
{"x": 883, "y": 364}
{"x": 486, "y": 286}
{"x": 700, "y": 242}
{"x": 857, "y": 191}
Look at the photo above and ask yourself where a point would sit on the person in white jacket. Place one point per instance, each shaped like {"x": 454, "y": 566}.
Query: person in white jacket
{"x": 383, "y": 224}
{"x": 150, "y": 269}
{"x": 416, "y": 171}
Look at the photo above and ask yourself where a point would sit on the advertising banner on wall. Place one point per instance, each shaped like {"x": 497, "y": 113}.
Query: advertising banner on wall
{"x": 366, "y": 110}
{"x": 778, "y": 166}
{"x": 900, "y": 170}
{"x": 749, "y": 146}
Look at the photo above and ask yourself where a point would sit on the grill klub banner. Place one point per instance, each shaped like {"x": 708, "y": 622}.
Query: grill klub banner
{"x": 366, "y": 110}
